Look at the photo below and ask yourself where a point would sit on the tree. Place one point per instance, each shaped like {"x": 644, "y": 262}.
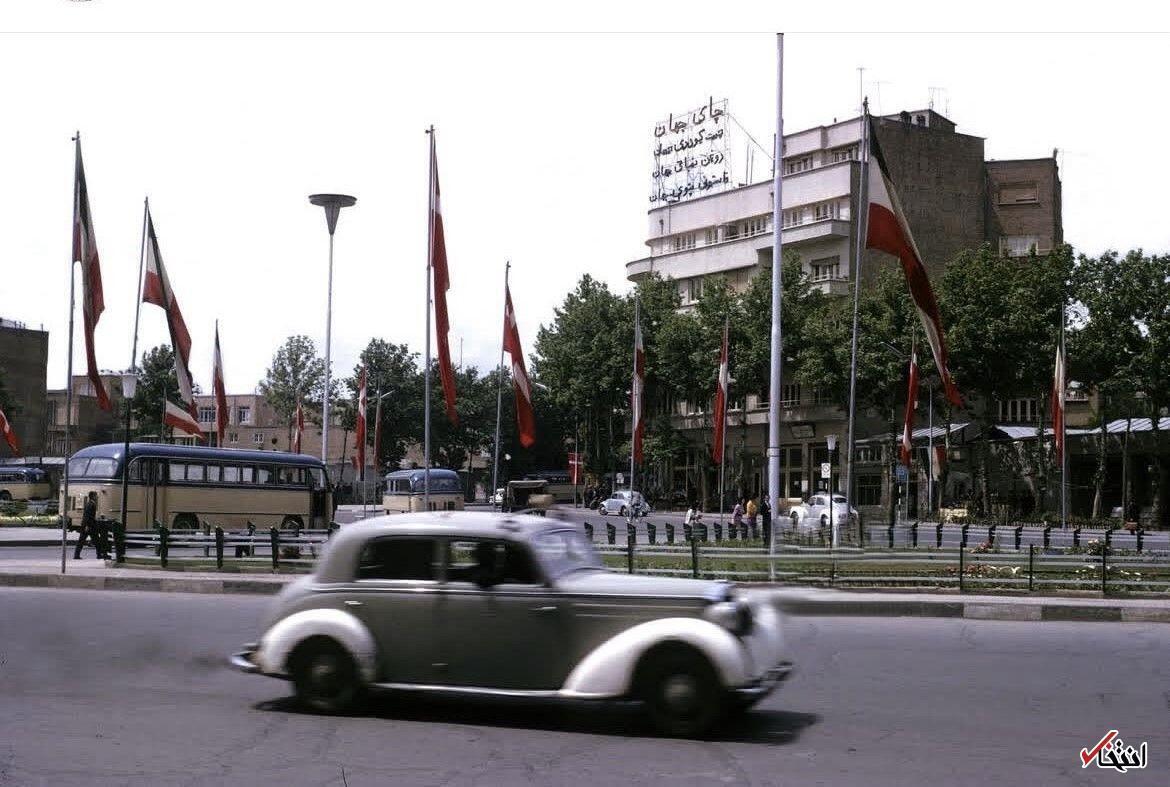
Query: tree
{"x": 157, "y": 384}
{"x": 391, "y": 370}
{"x": 297, "y": 373}
{"x": 1002, "y": 317}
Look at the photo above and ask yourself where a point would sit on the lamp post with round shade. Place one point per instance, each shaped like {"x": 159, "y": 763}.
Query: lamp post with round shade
{"x": 332, "y": 203}
{"x": 129, "y": 386}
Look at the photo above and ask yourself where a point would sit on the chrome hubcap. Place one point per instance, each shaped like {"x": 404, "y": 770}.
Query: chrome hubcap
{"x": 680, "y": 692}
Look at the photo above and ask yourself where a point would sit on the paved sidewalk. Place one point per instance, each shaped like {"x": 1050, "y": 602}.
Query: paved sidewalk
{"x": 32, "y": 536}
{"x": 96, "y": 575}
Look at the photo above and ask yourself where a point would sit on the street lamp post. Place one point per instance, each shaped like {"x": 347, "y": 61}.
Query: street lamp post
{"x": 332, "y": 203}
{"x": 831, "y": 441}
{"x": 129, "y": 386}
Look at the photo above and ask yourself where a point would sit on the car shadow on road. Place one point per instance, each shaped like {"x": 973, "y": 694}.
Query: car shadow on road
{"x": 625, "y": 720}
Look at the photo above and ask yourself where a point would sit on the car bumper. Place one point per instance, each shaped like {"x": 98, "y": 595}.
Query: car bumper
{"x": 762, "y": 686}
{"x": 244, "y": 660}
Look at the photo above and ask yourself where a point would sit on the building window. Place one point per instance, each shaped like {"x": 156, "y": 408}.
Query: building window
{"x": 757, "y": 225}
{"x": 243, "y": 415}
{"x": 711, "y": 235}
{"x": 844, "y": 154}
{"x": 794, "y": 217}
{"x": 1019, "y": 410}
{"x": 206, "y": 414}
{"x": 233, "y": 437}
{"x": 684, "y": 241}
{"x": 790, "y": 395}
{"x": 868, "y": 453}
{"x": 799, "y": 164}
{"x": 822, "y": 396}
{"x": 1019, "y": 245}
{"x": 694, "y": 289}
{"x": 826, "y": 269}
{"x": 1018, "y": 193}
{"x": 826, "y": 210}
{"x": 869, "y": 489}
{"x": 258, "y": 438}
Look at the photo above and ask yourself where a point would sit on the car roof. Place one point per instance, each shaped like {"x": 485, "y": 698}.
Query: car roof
{"x": 337, "y": 563}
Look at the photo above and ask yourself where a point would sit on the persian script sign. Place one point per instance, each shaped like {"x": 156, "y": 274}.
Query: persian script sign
{"x": 691, "y": 154}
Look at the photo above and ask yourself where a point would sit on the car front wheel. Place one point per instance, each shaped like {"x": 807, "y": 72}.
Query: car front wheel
{"x": 325, "y": 676}
{"x": 681, "y": 693}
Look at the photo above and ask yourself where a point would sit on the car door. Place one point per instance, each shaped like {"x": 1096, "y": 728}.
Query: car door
{"x": 506, "y": 634}
{"x": 393, "y": 593}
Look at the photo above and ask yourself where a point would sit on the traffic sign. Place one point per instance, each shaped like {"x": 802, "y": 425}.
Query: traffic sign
{"x": 901, "y": 474}
{"x": 826, "y": 470}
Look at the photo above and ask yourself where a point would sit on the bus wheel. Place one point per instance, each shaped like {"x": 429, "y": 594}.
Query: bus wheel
{"x": 185, "y": 522}
{"x": 291, "y": 523}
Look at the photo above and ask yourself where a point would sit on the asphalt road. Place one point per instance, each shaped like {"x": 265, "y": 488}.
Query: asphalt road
{"x": 125, "y": 688}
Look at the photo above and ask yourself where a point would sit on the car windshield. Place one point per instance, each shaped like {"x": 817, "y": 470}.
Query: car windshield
{"x": 563, "y": 551}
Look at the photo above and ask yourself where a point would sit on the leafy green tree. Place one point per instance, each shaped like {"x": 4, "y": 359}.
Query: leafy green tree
{"x": 1002, "y": 318}
{"x": 296, "y": 373}
{"x": 157, "y": 384}
{"x": 392, "y": 372}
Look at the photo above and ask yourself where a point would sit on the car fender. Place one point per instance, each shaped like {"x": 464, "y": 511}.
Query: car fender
{"x": 608, "y": 670}
{"x": 278, "y": 642}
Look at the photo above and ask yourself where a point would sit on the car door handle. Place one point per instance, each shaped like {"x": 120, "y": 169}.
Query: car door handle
{"x": 549, "y": 608}
{"x": 352, "y": 603}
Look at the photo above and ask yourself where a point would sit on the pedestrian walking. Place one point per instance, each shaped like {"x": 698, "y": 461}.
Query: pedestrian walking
{"x": 737, "y": 513}
{"x": 89, "y": 527}
{"x": 751, "y": 512}
{"x": 693, "y": 515}
{"x": 765, "y": 518}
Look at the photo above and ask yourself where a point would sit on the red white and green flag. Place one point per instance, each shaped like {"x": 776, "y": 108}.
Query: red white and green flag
{"x": 906, "y": 449}
{"x": 442, "y": 283}
{"x": 525, "y": 420}
{"x": 887, "y": 230}
{"x": 359, "y": 434}
{"x": 721, "y": 400}
{"x": 221, "y": 407}
{"x": 156, "y": 289}
{"x": 637, "y": 389}
{"x": 1058, "y": 404}
{"x": 299, "y": 428}
{"x": 85, "y": 252}
{"x": 178, "y": 418}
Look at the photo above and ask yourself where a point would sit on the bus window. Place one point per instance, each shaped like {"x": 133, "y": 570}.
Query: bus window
{"x": 178, "y": 471}
{"x": 263, "y": 475}
{"x": 316, "y": 478}
{"x": 213, "y": 474}
{"x": 77, "y": 467}
{"x": 231, "y": 474}
{"x": 195, "y": 473}
{"x": 246, "y": 475}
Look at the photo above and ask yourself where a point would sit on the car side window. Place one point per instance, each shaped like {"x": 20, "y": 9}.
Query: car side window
{"x": 398, "y": 558}
{"x": 501, "y": 562}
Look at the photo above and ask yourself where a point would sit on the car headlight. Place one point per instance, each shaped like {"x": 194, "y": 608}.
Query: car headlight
{"x": 735, "y": 616}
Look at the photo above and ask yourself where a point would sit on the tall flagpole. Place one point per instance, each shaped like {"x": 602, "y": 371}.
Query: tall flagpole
{"x": 427, "y": 366}
{"x": 723, "y": 432}
{"x": 636, "y": 400}
{"x": 134, "y": 358}
{"x": 929, "y": 448}
{"x": 859, "y": 252}
{"x": 69, "y": 361}
{"x": 500, "y": 390}
{"x": 1063, "y": 430}
{"x": 776, "y": 374}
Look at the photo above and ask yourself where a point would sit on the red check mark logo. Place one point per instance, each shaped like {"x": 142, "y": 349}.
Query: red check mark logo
{"x": 1087, "y": 755}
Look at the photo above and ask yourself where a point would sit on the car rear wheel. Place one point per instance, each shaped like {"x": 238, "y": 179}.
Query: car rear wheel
{"x": 624, "y": 512}
{"x": 325, "y": 676}
{"x": 824, "y": 520}
{"x": 681, "y": 692}
{"x": 601, "y": 510}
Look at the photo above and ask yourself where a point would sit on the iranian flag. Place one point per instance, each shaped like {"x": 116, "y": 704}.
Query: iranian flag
{"x": 525, "y": 421}
{"x": 359, "y": 432}
{"x": 178, "y": 418}
{"x": 1058, "y": 404}
{"x": 9, "y": 435}
{"x": 442, "y": 282}
{"x": 721, "y": 401}
{"x": 221, "y": 407}
{"x": 637, "y": 389}
{"x": 887, "y": 230}
{"x": 156, "y": 289}
{"x": 299, "y": 427}
{"x": 85, "y": 252}
{"x": 905, "y": 451}
{"x": 574, "y": 467}
{"x": 938, "y": 461}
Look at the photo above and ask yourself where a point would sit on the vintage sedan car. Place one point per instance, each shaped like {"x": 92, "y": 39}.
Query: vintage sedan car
{"x": 814, "y": 512}
{"x": 495, "y": 604}
{"x": 620, "y": 503}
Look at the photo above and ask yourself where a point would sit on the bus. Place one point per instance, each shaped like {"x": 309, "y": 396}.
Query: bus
{"x": 560, "y": 484}
{"x": 404, "y": 491}
{"x": 183, "y": 487}
{"x": 23, "y": 483}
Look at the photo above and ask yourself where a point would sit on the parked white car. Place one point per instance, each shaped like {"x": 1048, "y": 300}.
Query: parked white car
{"x": 619, "y": 503}
{"x": 814, "y": 512}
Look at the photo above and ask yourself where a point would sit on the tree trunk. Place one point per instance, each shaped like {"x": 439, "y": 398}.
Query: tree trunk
{"x": 983, "y": 499}
{"x": 1099, "y": 475}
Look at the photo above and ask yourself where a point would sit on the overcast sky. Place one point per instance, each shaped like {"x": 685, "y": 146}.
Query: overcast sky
{"x": 544, "y": 146}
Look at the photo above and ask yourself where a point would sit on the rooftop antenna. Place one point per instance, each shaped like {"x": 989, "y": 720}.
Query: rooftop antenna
{"x": 860, "y": 90}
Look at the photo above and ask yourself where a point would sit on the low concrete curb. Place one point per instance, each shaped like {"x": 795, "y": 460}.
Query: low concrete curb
{"x": 797, "y": 602}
